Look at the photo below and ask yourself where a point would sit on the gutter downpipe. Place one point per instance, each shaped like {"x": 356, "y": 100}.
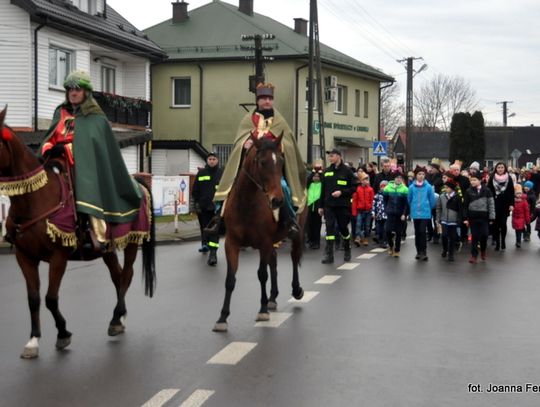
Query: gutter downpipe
{"x": 379, "y": 132}
{"x": 200, "y": 103}
{"x": 297, "y": 101}
{"x": 39, "y": 27}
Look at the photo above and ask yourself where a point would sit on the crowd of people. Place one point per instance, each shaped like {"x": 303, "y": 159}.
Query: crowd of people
{"x": 453, "y": 206}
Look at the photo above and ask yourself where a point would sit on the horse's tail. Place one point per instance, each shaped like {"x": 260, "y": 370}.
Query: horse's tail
{"x": 149, "y": 247}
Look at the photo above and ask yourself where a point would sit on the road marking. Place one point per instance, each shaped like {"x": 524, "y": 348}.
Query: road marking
{"x": 232, "y": 353}
{"x": 329, "y": 279}
{"x": 378, "y": 250}
{"x": 198, "y": 398}
{"x": 276, "y": 319}
{"x": 161, "y": 398}
{"x": 348, "y": 266}
{"x": 367, "y": 256}
{"x": 410, "y": 237}
{"x": 308, "y": 296}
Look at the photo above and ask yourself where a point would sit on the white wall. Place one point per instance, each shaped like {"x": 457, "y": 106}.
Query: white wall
{"x": 16, "y": 64}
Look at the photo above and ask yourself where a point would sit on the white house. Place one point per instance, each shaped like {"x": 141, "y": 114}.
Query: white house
{"x": 41, "y": 41}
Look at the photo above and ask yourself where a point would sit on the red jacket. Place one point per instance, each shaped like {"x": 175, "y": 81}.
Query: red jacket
{"x": 362, "y": 200}
{"x": 521, "y": 215}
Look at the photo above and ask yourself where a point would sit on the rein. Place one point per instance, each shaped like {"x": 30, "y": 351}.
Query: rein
{"x": 257, "y": 184}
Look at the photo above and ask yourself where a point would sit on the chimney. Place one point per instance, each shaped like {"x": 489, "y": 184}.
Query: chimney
{"x": 179, "y": 12}
{"x": 300, "y": 26}
{"x": 246, "y": 7}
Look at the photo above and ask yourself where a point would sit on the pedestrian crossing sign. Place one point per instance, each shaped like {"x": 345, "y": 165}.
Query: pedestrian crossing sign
{"x": 379, "y": 148}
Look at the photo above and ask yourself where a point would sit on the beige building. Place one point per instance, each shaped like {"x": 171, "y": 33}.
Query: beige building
{"x": 202, "y": 91}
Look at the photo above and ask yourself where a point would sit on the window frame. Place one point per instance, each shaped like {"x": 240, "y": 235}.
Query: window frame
{"x": 341, "y": 95}
{"x": 173, "y": 96}
{"x": 357, "y": 104}
{"x": 103, "y": 82}
{"x": 366, "y": 104}
{"x": 69, "y": 66}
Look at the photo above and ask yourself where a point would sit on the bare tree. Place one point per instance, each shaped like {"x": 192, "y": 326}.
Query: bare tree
{"x": 440, "y": 98}
{"x": 392, "y": 112}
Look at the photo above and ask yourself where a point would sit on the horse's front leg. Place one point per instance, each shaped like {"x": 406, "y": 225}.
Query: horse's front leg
{"x": 232, "y": 251}
{"x": 296, "y": 256}
{"x": 30, "y": 272}
{"x": 262, "y": 273}
{"x": 274, "y": 292}
{"x": 57, "y": 268}
{"x": 121, "y": 278}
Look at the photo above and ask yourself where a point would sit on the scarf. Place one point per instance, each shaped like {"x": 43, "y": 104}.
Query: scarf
{"x": 500, "y": 182}
{"x": 419, "y": 184}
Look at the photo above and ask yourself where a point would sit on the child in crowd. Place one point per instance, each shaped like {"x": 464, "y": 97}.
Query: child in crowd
{"x": 534, "y": 217}
{"x": 520, "y": 214}
{"x": 362, "y": 204}
{"x": 478, "y": 212}
{"x": 421, "y": 202}
{"x": 396, "y": 206}
{"x": 379, "y": 214}
{"x": 448, "y": 215}
{"x": 528, "y": 188}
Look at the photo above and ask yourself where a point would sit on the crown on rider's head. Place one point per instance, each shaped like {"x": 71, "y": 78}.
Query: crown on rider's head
{"x": 78, "y": 80}
{"x": 265, "y": 89}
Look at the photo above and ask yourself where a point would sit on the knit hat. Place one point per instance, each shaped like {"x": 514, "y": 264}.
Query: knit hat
{"x": 518, "y": 188}
{"x": 420, "y": 169}
{"x": 451, "y": 184}
{"x": 528, "y": 184}
{"x": 265, "y": 89}
{"x": 383, "y": 183}
{"x": 78, "y": 80}
{"x": 475, "y": 166}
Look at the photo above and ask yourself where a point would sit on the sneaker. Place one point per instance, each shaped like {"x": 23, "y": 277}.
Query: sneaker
{"x": 424, "y": 257}
{"x": 357, "y": 241}
{"x": 443, "y": 254}
{"x": 376, "y": 239}
{"x": 417, "y": 257}
{"x": 450, "y": 257}
{"x": 203, "y": 249}
{"x": 390, "y": 250}
{"x": 365, "y": 242}
{"x": 396, "y": 254}
{"x": 472, "y": 260}
{"x": 518, "y": 245}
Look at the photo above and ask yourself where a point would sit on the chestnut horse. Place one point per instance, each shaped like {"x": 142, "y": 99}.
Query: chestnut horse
{"x": 249, "y": 221}
{"x": 38, "y": 197}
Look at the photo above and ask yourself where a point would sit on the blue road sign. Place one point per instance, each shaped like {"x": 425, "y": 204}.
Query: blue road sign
{"x": 380, "y": 147}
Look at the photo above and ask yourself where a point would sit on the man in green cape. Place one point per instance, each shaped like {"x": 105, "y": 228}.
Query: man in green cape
{"x": 82, "y": 134}
{"x": 266, "y": 121}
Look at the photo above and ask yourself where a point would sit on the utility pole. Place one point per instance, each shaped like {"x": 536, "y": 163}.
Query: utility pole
{"x": 504, "y": 104}
{"x": 409, "y": 109}
{"x": 259, "y": 58}
{"x": 314, "y": 64}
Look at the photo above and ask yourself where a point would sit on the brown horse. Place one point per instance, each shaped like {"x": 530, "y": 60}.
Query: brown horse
{"x": 249, "y": 221}
{"x": 35, "y": 194}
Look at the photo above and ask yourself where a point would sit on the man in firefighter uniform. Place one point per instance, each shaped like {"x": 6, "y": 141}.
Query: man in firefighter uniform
{"x": 338, "y": 185}
{"x": 204, "y": 189}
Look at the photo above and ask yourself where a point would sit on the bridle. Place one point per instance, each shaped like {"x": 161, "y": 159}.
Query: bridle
{"x": 258, "y": 183}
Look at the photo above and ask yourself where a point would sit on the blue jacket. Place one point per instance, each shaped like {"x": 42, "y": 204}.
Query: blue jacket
{"x": 421, "y": 200}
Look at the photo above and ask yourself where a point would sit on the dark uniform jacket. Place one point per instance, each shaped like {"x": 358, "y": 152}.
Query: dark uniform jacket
{"x": 339, "y": 178}
{"x": 204, "y": 187}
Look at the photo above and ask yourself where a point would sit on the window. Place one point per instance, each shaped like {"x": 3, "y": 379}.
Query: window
{"x": 222, "y": 151}
{"x": 357, "y": 103}
{"x": 366, "y": 104}
{"x": 60, "y": 62}
{"x": 108, "y": 79}
{"x": 88, "y": 6}
{"x": 314, "y": 94}
{"x": 341, "y": 100}
{"x": 181, "y": 92}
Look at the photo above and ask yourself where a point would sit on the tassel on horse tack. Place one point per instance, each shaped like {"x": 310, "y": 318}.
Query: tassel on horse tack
{"x": 7, "y": 135}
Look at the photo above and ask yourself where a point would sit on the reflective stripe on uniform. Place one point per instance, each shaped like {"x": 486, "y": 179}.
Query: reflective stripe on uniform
{"x": 329, "y": 174}
{"x": 341, "y": 182}
{"x": 330, "y": 238}
{"x": 204, "y": 178}
{"x": 346, "y": 237}
{"x": 214, "y": 245}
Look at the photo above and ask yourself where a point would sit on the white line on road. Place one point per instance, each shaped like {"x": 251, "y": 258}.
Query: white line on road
{"x": 410, "y": 237}
{"x": 348, "y": 266}
{"x": 329, "y": 279}
{"x": 232, "y": 353}
{"x": 161, "y": 398}
{"x": 378, "y": 250}
{"x": 308, "y": 296}
{"x": 276, "y": 319}
{"x": 198, "y": 398}
{"x": 367, "y": 256}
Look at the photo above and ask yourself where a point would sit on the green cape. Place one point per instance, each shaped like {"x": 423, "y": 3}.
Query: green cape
{"x": 295, "y": 170}
{"x": 103, "y": 186}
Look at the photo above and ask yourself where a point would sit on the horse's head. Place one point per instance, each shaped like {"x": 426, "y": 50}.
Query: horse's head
{"x": 267, "y": 169}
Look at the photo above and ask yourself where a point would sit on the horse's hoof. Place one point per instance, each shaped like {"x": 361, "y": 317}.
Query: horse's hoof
{"x": 116, "y": 330}
{"x": 30, "y": 353}
{"x": 263, "y": 316}
{"x": 220, "y": 327}
{"x": 272, "y": 305}
{"x": 62, "y": 343}
{"x": 299, "y": 294}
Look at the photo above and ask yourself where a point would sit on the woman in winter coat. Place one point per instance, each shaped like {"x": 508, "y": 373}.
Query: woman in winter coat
{"x": 421, "y": 200}
{"x": 501, "y": 186}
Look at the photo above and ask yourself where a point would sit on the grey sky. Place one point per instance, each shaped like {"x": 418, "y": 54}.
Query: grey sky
{"x": 494, "y": 44}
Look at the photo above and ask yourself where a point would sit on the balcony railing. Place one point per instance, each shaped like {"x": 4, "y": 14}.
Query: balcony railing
{"x": 123, "y": 109}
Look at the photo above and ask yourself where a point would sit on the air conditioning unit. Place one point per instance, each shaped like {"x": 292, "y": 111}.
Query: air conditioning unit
{"x": 330, "y": 95}
{"x": 330, "y": 81}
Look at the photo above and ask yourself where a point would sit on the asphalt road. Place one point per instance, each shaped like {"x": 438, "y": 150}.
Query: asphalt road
{"x": 388, "y": 332}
